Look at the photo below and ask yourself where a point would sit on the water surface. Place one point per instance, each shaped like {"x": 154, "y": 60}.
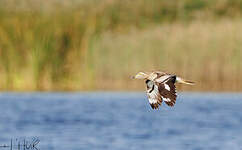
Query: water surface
{"x": 121, "y": 121}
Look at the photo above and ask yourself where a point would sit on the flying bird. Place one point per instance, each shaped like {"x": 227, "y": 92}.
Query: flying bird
{"x": 160, "y": 86}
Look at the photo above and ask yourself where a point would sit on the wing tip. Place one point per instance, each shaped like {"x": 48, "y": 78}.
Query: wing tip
{"x": 171, "y": 104}
{"x": 155, "y": 105}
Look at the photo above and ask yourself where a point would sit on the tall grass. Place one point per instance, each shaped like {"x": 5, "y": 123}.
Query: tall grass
{"x": 84, "y": 45}
{"x": 207, "y": 52}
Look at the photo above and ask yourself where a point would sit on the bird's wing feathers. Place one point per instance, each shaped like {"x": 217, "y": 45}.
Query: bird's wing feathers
{"x": 161, "y": 77}
{"x": 167, "y": 91}
{"x": 162, "y": 89}
{"x": 154, "y": 96}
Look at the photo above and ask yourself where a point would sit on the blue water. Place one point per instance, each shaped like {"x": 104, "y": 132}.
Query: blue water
{"x": 121, "y": 121}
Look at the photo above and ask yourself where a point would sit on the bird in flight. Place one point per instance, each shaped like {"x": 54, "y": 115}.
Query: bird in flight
{"x": 160, "y": 86}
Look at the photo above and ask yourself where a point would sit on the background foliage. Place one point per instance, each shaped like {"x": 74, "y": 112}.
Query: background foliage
{"x": 99, "y": 44}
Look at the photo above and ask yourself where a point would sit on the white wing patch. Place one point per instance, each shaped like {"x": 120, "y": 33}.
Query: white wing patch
{"x": 167, "y": 87}
{"x": 166, "y": 99}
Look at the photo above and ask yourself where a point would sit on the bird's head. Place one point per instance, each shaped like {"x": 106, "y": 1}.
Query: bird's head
{"x": 140, "y": 75}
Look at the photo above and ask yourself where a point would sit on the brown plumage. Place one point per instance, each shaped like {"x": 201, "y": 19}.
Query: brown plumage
{"x": 161, "y": 87}
{"x": 169, "y": 94}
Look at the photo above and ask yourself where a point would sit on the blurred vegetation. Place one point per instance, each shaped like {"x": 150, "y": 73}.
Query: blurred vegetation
{"x": 99, "y": 44}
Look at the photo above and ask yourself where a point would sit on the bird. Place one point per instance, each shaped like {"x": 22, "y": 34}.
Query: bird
{"x": 160, "y": 86}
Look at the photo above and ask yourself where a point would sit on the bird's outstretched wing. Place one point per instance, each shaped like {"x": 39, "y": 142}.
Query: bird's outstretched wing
{"x": 167, "y": 90}
{"x": 153, "y": 94}
{"x": 164, "y": 90}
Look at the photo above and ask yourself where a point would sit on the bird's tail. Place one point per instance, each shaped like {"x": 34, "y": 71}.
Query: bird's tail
{"x": 183, "y": 81}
